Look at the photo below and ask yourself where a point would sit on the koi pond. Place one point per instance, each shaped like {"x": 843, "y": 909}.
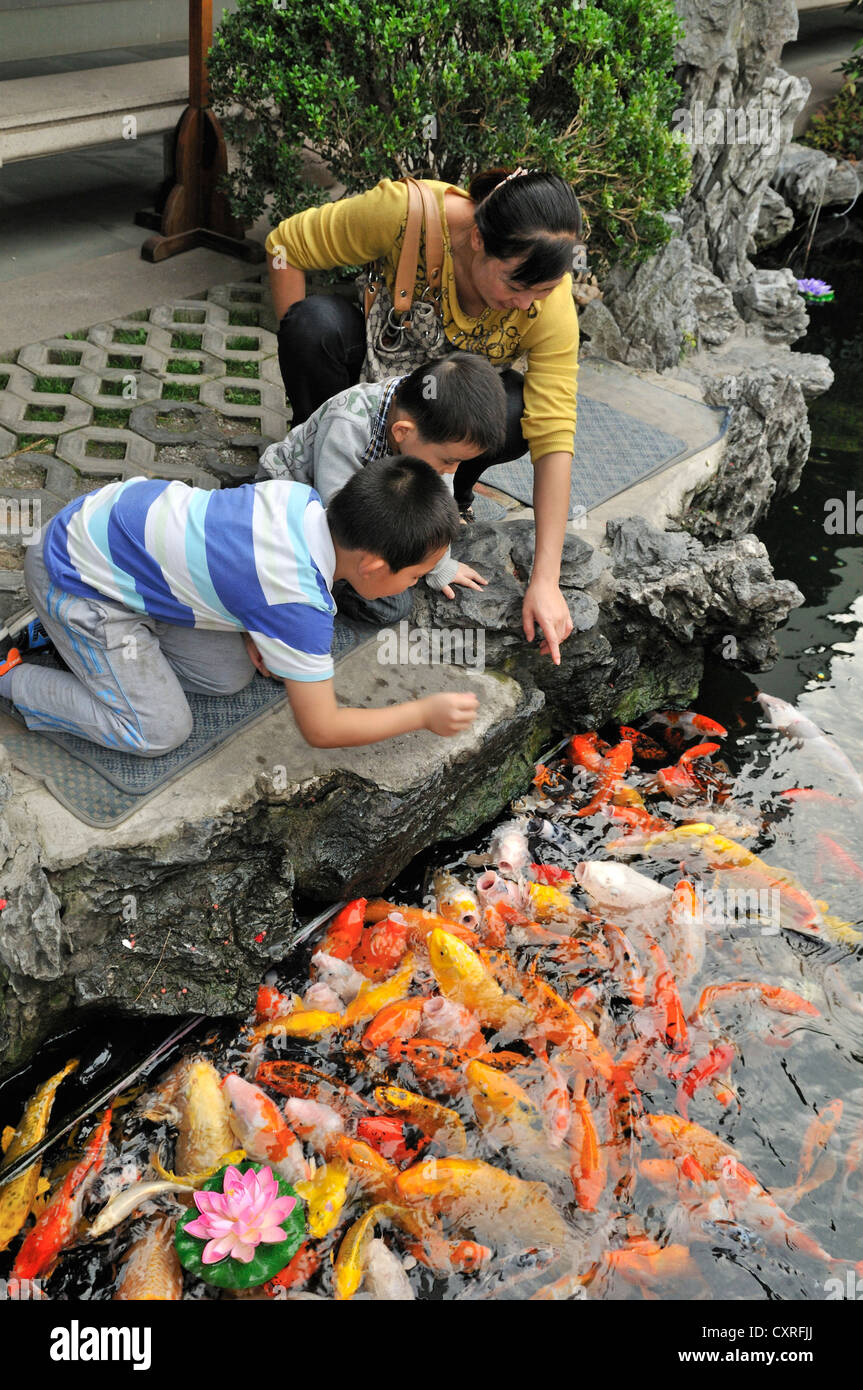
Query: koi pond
{"x": 610, "y": 1049}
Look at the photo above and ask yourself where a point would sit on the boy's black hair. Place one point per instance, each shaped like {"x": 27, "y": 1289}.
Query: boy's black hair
{"x": 397, "y": 508}
{"x": 535, "y": 217}
{"x": 458, "y": 397}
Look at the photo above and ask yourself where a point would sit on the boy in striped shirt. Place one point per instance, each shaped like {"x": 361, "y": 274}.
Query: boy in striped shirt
{"x": 150, "y": 588}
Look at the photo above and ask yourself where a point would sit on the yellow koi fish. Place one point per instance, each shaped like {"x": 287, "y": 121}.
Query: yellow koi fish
{"x": 16, "y": 1197}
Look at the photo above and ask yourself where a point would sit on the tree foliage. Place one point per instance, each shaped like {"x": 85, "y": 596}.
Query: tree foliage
{"x": 443, "y": 88}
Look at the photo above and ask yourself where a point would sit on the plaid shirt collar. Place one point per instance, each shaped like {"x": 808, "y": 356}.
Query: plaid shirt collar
{"x": 378, "y": 443}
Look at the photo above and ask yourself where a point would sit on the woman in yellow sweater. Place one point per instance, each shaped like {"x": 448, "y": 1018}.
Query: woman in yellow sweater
{"x": 506, "y": 290}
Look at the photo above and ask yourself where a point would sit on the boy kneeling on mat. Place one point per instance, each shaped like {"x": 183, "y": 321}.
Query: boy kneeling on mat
{"x": 150, "y": 588}
{"x": 443, "y": 412}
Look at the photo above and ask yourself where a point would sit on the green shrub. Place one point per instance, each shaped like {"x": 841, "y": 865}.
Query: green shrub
{"x": 442, "y": 90}
{"x": 838, "y": 126}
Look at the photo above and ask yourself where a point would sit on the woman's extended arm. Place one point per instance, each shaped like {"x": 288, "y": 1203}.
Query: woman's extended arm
{"x": 543, "y": 601}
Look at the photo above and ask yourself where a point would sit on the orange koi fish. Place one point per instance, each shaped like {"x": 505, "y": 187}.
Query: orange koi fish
{"x": 401, "y": 1019}
{"x": 782, "y": 1001}
{"x": 151, "y": 1271}
{"x": 817, "y": 1137}
{"x": 55, "y": 1228}
{"x": 644, "y": 748}
{"x": 587, "y": 750}
{"x": 345, "y": 930}
{"x": 588, "y": 1170}
{"x": 261, "y": 1130}
{"x": 298, "y": 1079}
{"x": 718, "y": 1060}
{"x": 420, "y": 924}
{"x": 380, "y": 948}
{"x": 610, "y": 775}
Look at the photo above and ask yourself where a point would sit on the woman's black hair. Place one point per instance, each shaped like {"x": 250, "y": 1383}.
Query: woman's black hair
{"x": 397, "y": 508}
{"x": 458, "y": 397}
{"x": 533, "y": 216}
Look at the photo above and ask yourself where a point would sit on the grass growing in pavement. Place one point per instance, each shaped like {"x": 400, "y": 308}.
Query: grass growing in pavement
{"x": 64, "y": 357}
{"x": 241, "y": 368}
{"x": 45, "y": 413}
{"x": 242, "y": 395}
{"x": 189, "y": 315}
{"x": 243, "y": 318}
{"x": 241, "y": 344}
{"x": 125, "y": 359}
{"x": 55, "y": 385}
{"x": 113, "y": 419}
{"x": 178, "y": 391}
{"x": 184, "y": 366}
{"x": 187, "y": 340}
{"x": 79, "y": 334}
{"x": 29, "y": 441}
{"x": 105, "y": 449}
{"x": 136, "y": 336}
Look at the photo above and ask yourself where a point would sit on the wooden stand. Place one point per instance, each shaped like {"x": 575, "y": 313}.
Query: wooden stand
{"x": 195, "y": 211}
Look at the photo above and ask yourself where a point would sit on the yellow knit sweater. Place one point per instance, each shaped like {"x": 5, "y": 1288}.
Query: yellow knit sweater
{"x": 371, "y": 227}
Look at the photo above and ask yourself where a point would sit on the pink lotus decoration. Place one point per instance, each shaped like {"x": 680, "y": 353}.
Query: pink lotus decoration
{"x": 247, "y": 1212}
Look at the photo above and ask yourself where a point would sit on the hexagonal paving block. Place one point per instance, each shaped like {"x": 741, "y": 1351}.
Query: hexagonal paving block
{"x": 176, "y": 422}
{"x": 248, "y": 304}
{"x": 81, "y": 449}
{"x": 90, "y": 386}
{"x": 17, "y": 379}
{"x": 269, "y": 411}
{"x": 7, "y": 442}
{"x": 42, "y": 358}
{"x": 243, "y": 344}
{"x": 25, "y": 413}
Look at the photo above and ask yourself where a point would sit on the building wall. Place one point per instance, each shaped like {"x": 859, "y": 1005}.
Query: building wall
{"x": 33, "y": 29}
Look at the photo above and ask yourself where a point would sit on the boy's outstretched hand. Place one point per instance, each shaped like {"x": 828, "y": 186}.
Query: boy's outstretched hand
{"x": 465, "y": 576}
{"x": 450, "y": 714}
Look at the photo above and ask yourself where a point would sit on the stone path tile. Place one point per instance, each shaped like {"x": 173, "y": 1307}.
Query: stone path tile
{"x": 188, "y": 390}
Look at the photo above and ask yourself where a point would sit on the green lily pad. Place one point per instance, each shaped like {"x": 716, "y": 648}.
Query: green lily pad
{"x": 267, "y": 1259}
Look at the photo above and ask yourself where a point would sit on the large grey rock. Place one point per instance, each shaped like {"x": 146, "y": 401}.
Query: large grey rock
{"x": 771, "y": 299}
{"x": 714, "y": 305}
{"x": 802, "y": 176}
{"x": 775, "y": 220}
{"x": 686, "y": 587}
{"x": 654, "y": 308}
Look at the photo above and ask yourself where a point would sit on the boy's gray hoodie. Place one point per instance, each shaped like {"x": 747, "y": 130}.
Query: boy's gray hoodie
{"x": 341, "y": 437}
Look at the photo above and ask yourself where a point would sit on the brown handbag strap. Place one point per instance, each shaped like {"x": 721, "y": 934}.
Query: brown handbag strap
{"x": 434, "y": 238}
{"x": 406, "y": 274}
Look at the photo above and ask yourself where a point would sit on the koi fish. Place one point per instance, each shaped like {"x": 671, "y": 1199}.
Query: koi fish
{"x": 588, "y": 1170}
{"x": 380, "y": 949}
{"x": 587, "y": 750}
{"x": 463, "y": 978}
{"x": 439, "y": 1122}
{"x": 384, "y": 1275}
{"x": 625, "y": 964}
{"x": 611, "y": 773}
{"x": 618, "y": 887}
{"x": 451, "y": 1023}
{"x": 687, "y": 723}
{"x": 345, "y": 930}
{"x": 399, "y": 1142}
{"x": 151, "y": 1271}
{"x": 192, "y": 1099}
{"x": 421, "y": 924}
{"x": 373, "y": 997}
{"x": 122, "y": 1204}
{"x": 685, "y": 921}
{"x": 55, "y": 1228}
{"x": 272, "y": 1003}
{"x": 401, "y": 1019}
{"x": 16, "y": 1197}
{"x": 305, "y": 1023}
{"x": 309, "y": 1083}
{"x": 296, "y": 1273}
{"x": 782, "y": 1001}
{"x": 454, "y": 902}
{"x": 644, "y": 748}
{"x": 350, "y": 1267}
{"x": 667, "y": 1000}
{"x": 371, "y": 1172}
{"x": 262, "y": 1131}
{"x": 501, "y": 1210}
{"x": 716, "y": 1061}
{"x": 796, "y": 725}
{"x": 312, "y": 1120}
{"x": 432, "y": 1062}
{"x": 817, "y": 1137}
{"x": 548, "y": 903}
{"x": 340, "y": 975}
{"x": 325, "y": 1194}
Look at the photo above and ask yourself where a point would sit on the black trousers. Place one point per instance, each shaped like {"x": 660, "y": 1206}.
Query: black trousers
{"x": 322, "y": 346}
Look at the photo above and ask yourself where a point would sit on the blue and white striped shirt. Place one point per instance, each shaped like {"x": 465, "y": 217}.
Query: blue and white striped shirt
{"x": 257, "y": 557}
